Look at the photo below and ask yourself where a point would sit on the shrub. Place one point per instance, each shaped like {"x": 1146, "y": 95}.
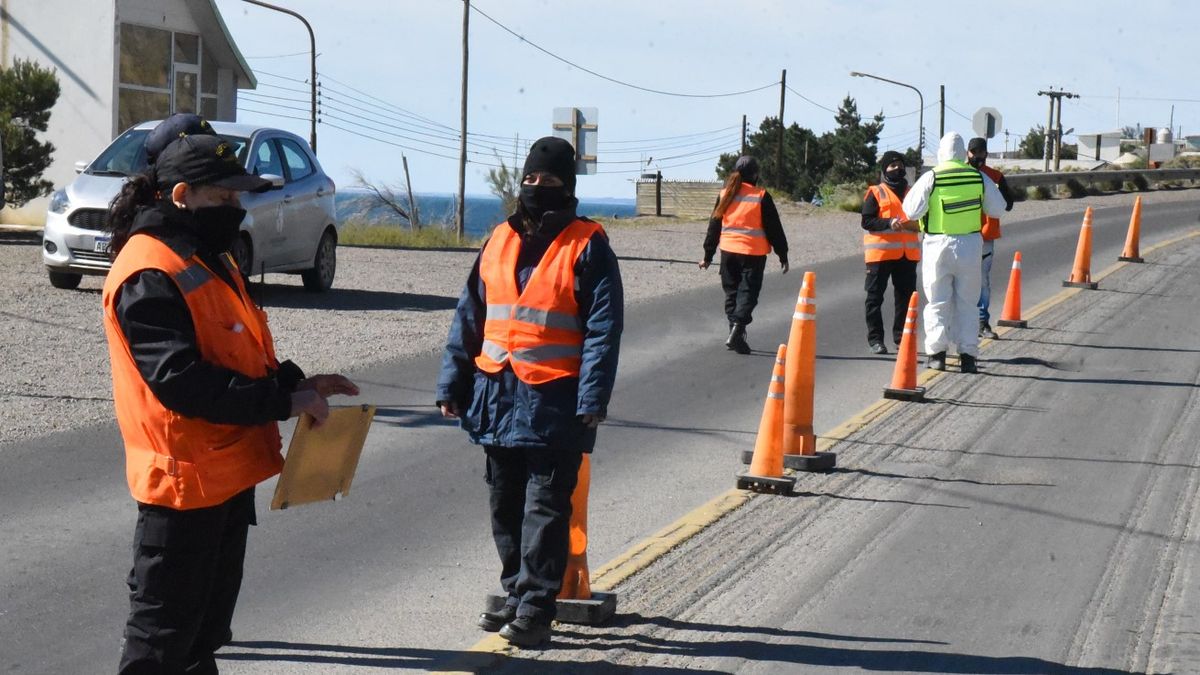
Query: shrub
{"x": 1038, "y": 192}
{"x": 1073, "y": 188}
{"x": 844, "y": 196}
{"x": 392, "y": 236}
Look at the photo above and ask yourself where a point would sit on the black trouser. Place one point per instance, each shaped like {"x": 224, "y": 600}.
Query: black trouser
{"x": 531, "y": 514}
{"x": 187, "y": 571}
{"x": 903, "y": 273}
{"x": 742, "y": 279}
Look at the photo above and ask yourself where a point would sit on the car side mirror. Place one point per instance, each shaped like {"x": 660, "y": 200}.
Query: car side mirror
{"x": 276, "y": 180}
{"x": 80, "y": 166}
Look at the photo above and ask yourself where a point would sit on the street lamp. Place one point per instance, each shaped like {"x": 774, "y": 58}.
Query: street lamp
{"x": 312, "y": 41}
{"x": 920, "y": 113}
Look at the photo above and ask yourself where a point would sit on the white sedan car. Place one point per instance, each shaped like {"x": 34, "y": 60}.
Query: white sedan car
{"x": 290, "y": 228}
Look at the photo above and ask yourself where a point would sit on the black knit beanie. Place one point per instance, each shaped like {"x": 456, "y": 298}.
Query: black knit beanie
{"x": 889, "y": 157}
{"x": 553, "y": 155}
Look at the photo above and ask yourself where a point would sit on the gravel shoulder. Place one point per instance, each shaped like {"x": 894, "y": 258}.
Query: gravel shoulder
{"x": 386, "y": 304}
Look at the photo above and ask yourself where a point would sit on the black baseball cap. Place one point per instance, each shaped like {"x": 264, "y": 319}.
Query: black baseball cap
{"x": 175, "y": 126}
{"x": 205, "y": 160}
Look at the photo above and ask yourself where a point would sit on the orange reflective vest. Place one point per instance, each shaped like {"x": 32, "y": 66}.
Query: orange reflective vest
{"x": 741, "y": 227}
{"x": 991, "y": 226}
{"x": 889, "y": 244}
{"x": 185, "y": 462}
{"x": 537, "y": 331}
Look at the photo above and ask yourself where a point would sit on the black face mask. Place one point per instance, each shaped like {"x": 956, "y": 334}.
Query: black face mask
{"x": 976, "y": 162}
{"x": 894, "y": 177}
{"x": 538, "y": 199}
{"x": 217, "y": 226}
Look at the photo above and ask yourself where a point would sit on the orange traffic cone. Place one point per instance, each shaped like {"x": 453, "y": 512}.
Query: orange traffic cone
{"x": 1131, "y": 238}
{"x": 799, "y": 441}
{"x": 904, "y": 378}
{"x": 576, "y": 601}
{"x": 1081, "y": 274}
{"x": 766, "y": 466}
{"x": 1011, "y": 316}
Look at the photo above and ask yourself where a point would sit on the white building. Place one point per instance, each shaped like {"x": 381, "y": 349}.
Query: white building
{"x": 120, "y": 62}
{"x": 1100, "y": 146}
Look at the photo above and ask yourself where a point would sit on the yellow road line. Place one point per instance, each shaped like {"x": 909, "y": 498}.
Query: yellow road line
{"x": 642, "y": 554}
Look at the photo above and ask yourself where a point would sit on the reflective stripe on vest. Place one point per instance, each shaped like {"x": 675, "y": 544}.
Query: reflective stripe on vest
{"x": 741, "y": 226}
{"x": 889, "y": 245}
{"x": 538, "y": 331}
{"x": 186, "y": 462}
{"x": 956, "y": 201}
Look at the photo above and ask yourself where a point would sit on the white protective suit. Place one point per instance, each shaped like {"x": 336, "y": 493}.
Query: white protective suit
{"x": 950, "y": 264}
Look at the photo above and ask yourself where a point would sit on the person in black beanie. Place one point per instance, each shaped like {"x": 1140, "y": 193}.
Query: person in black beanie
{"x": 528, "y": 369}
{"x": 891, "y": 249}
{"x": 745, "y": 225}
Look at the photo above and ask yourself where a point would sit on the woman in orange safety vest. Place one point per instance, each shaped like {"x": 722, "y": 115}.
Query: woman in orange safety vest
{"x": 198, "y": 394}
{"x": 891, "y": 250}
{"x": 746, "y": 227}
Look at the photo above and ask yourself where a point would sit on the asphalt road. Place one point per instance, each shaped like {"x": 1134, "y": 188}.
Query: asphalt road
{"x": 392, "y": 576}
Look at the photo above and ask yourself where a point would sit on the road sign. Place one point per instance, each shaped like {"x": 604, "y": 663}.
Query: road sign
{"x": 579, "y": 127}
{"x": 987, "y": 122}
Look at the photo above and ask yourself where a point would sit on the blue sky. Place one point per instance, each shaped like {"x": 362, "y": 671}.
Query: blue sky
{"x": 407, "y": 56}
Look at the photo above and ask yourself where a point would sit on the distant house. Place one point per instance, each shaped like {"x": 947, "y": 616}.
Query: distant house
{"x": 121, "y": 62}
{"x": 1100, "y": 146}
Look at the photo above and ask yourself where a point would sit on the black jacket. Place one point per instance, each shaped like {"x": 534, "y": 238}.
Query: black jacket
{"x": 771, "y": 226}
{"x": 156, "y": 323}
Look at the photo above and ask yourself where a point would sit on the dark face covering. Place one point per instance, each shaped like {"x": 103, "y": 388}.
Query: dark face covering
{"x": 976, "y": 162}
{"x": 539, "y": 199}
{"x": 217, "y": 227}
{"x": 896, "y": 180}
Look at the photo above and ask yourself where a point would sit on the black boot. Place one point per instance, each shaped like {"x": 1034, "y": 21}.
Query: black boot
{"x": 494, "y": 621}
{"x": 936, "y": 361}
{"x": 737, "y": 339}
{"x": 966, "y": 363}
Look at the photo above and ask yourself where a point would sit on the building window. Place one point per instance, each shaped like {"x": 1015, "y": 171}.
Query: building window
{"x": 162, "y": 72}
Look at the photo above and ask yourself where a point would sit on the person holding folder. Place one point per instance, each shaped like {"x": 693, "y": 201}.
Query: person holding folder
{"x": 198, "y": 393}
{"x": 529, "y": 368}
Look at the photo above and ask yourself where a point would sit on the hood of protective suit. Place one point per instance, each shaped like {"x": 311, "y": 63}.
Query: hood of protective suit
{"x": 952, "y": 147}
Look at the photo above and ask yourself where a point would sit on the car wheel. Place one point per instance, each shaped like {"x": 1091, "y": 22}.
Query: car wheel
{"x": 320, "y": 277}
{"x": 243, "y": 254}
{"x": 65, "y": 280}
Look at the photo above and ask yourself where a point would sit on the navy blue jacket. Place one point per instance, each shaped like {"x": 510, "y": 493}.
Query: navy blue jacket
{"x": 501, "y": 410}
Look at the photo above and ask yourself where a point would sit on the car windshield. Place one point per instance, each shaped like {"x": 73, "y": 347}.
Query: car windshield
{"x": 127, "y": 155}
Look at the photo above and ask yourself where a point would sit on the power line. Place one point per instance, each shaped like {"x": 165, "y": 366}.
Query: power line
{"x": 668, "y": 138}
{"x": 951, "y": 109}
{"x": 789, "y": 88}
{"x": 271, "y": 114}
{"x": 724, "y": 143}
{"x": 551, "y": 54}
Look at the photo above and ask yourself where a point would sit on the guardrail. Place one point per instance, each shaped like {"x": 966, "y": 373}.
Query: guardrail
{"x": 1024, "y": 180}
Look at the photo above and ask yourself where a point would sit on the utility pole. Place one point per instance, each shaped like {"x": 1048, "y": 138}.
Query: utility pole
{"x": 779, "y": 150}
{"x": 462, "y": 141}
{"x": 942, "y": 115}
{"x": 412, "y": 203}
{"x": 1053, "y": 137}
{"x": 743, "y": 134}
{"x": 312, "y": 43}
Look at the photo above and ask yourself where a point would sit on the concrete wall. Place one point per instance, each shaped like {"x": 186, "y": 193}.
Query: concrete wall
{"x": 682, "y": 199}
{"x": 82, "y": 50}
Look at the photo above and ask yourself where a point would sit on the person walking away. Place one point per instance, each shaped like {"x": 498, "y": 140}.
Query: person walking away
{"x": 891, "y": 250}
{"x": 198, "y": 394}
{"x": 529, "y": 368}
{"x": 745, "y": 225}
{"x": 949, "y": 201}
{"x": 977, "y": 157}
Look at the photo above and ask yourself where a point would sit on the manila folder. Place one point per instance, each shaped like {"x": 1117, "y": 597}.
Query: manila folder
{"x": 321, "y": 461}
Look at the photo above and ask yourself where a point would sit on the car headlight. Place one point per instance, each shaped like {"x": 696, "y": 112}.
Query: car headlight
{"x": 59, "y": 202}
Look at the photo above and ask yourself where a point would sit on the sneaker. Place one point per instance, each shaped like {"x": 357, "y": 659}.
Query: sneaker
{"x": 737, "y": 339}
{"x": 878, "y": 348}
{"x": 966, "y": 363}
{"x": 936, "y": 361}
{"x": 525, "y": 631}
{"x": 985, "y": 331}
{"x": 494, "y": 621}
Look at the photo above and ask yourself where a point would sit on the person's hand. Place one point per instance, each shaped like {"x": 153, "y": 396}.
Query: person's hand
{"x": 591, "y": 421}
{"x": 703, "y": 264}
{"x": 783, "y": 266}
{"x": 311, "y": 402}
{"x": 896, "y": 225}
{"x": 328, "y": 385}
{"x": 449, "y": 409}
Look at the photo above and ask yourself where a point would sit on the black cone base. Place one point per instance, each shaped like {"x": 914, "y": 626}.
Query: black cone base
{"x": 592, "y": 612}
{"x": 777, "y": 486}
{"x": 1013, "y": 323}
{"x": 1090, "y": 285}
{"x": 821, "y": 461}
{"x": 916, "y": 395}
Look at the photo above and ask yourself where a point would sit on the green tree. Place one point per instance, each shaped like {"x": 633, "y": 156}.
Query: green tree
{"x": 1033, "y": 146}
{"x": 505, "y": 183}
{"x": 852, "y": 146}
{"x": 27, "y": 93}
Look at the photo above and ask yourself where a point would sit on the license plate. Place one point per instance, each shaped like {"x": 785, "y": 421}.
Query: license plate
{"x": 102, "y": 244}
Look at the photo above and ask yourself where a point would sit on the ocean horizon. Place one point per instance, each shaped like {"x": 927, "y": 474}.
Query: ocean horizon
{"x": 483, "y": 212}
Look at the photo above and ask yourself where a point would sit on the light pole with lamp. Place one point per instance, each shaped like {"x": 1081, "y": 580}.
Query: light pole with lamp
{"x": 920, "y": 113}
{"x": 312, "y": 40}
